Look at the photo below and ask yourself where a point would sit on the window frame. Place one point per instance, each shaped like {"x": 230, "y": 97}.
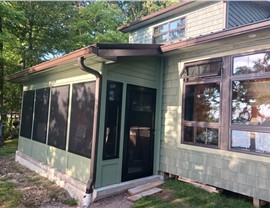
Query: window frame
{"x": 246, "y": 128}
{"x": 167, "y": 33}
{"x": 200, "y": 63}
{"x": 201, "y": 124}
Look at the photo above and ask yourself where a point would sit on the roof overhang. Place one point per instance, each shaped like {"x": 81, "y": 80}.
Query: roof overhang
{"x": 169, "y": 12}
{"x": 94, "y": 54}
{"x": 258, "y": 30}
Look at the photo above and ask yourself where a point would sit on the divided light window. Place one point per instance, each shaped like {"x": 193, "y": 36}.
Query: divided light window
{"x": 41, "y": 114}
{"x": 250, "y": 104}
{"x": 170, "y": 31}
{"x": 202, "y": 100}
{"x": 27, "y": 114}
{"x": 59, "y": 116}
{"x": 82, "y": 116}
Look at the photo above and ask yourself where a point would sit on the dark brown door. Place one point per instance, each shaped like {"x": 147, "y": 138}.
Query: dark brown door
{"x": 139, "y": 133}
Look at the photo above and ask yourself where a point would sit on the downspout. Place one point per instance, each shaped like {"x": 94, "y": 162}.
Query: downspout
{"x": 91, "y": 181}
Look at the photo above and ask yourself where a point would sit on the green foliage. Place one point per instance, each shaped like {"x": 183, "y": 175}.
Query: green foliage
{"x": 70, "y": 202}
{"x": 185, "y": 195}
{"x": 136, "y": 9}
{"x": 94, "y": 25}
{"x": 32, "y": 32}
{"x": 9, "y": 196}
{"x": 10, "y": 147}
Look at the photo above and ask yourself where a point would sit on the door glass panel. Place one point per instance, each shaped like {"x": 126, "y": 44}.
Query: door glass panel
{"x": 139, "y": 138}
{"x": 138, "y": 152}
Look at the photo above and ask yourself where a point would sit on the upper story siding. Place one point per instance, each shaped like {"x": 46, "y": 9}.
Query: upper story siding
{"x": 207, "y": 17}
{"x": 202, "y": 21}
{"x": 240, "y": 13}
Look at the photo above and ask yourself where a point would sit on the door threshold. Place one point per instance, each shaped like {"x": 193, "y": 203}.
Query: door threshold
{"x": 106, "y": 191}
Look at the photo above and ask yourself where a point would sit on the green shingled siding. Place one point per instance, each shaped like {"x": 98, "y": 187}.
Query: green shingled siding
{"x": 142, "y": 71}
{"x": 239, "y": 172}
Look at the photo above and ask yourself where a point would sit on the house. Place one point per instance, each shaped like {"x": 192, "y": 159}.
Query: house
{"x": 187, "y": 97}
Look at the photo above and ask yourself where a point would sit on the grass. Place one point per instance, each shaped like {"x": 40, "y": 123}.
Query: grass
{"x": 179, "y": 194}
{"x": 9, "y": 147}
{"x": 71, "y": 202}
{"x": 9, "y": 197}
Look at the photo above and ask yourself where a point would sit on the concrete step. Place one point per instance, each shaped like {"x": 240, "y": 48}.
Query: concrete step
{"x": 138, "y": 196}
{"x": 145, "y": 187}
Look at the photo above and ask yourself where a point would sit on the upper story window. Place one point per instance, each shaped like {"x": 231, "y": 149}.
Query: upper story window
{"x": 170, "y": 31}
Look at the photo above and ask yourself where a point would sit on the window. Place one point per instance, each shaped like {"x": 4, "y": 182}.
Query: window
{"x": 170, "y": 31}
{"x": 201, "y": 120}
{"x": 196, "y": 70}
{"x": 254, "y": 63}
{"x": 41, "y": 114}
{"x": 113, "y": 120}
{"x": 250, "y": 104}
{"x": 58, "y": 116}
{"x": 27, "y": 114}
{"x": 82, "y": 116}
{"x": 241, "y": 90}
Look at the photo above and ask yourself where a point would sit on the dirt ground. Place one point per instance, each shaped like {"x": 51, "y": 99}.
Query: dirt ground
{"x": 38, "y": 191}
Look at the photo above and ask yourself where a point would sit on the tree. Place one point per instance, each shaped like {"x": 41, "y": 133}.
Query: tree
{"x": 136, "y": 9}
{"x": 32, "y": 32}
{"x": 43, "y": 29}
{"x": 94, "y": 25}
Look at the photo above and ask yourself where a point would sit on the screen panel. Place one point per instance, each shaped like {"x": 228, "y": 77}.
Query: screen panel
{"x": 82, "y": 116}
{"x": 27, "y": 114}
{"x": 41, "y": 114}
{"x": 59, "y": 116}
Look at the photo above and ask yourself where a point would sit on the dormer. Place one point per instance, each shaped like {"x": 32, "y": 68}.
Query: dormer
{"x": 190, "y": 19}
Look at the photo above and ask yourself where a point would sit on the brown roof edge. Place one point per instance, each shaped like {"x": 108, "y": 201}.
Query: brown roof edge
{"x": 105, "y": 50}
{"x": 124, "y": 28}
{"x": 126, "y": 46}
{"x": 51, "y": 63}
{"x": 253, "y": 27}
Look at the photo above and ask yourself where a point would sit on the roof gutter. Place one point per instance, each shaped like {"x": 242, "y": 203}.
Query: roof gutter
{"x": 92, "y": 179}
{"x": 50, "y": 64}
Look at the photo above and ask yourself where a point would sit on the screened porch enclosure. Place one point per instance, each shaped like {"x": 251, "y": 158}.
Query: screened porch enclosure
{"x": 57, "y": 124}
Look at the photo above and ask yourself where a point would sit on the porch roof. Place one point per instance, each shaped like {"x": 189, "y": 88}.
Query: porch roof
{"x": 98, "y": 53}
